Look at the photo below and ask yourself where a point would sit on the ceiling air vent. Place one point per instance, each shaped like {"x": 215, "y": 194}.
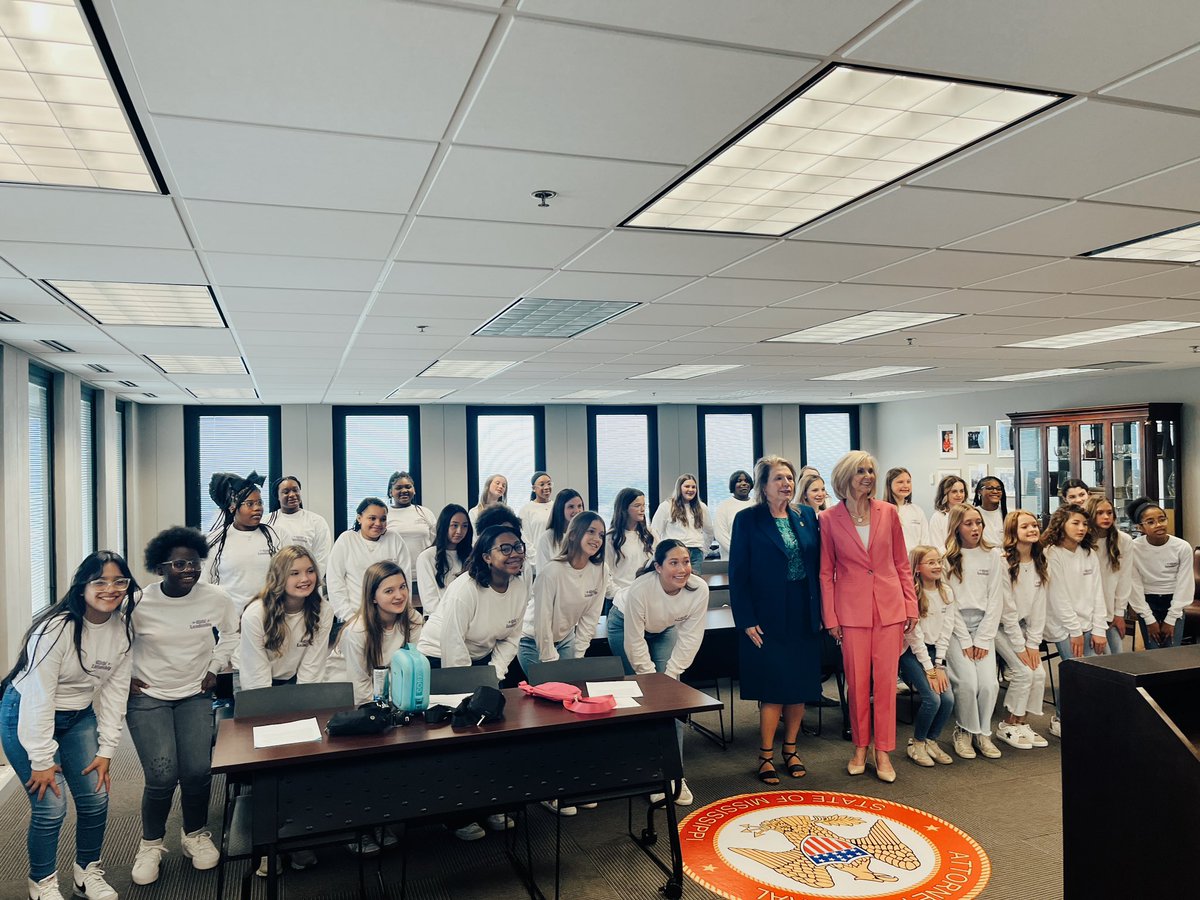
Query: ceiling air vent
{"x": 56, "y": 346}
{"x": 96, "y": 367}
{"x": 127, "y": 383}
{"x": 151, "y": 396}
{"x": 5, "y": 317}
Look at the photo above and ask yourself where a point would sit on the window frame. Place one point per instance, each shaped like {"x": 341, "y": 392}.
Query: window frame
{"x": 855, "y": 431}
{"x": 122, "y": 409}
{"x": 651, "y": 414}
{"x": 340, "y": 415}
{"x": 88, "y": 396}
{"x": 474, "y": 413}
{"x": 702, "y": 439}
{"x": 44, "y": 378}
{"x": 191, "y": 449}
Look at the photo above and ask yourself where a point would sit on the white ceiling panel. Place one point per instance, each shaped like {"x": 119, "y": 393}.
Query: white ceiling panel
{"x": 40, "y": 314}
{"x": 61, "y": 215}
{"x": 298, "y": 341}
{"x": 288, "y": 167}
{"x": 1070, "y": 275}
{"x": 7, "y": 271}
{"x": 816, "y": 261}
{"x": 491, "y": 243}
{"x": 144, "y": 339}
{"x": 464, "y": 280}
{"x": 664, "y": 253}
{"x": 330, "y": 325}
{"x": 1169, "y": 84}
{"x": 641, "y": 94}
{"x": 25, "y": 292}
{"x": 859, "y": 296}
{"x": 293, "y": 231}
{"x": 288, "y": 302}
{"x": 92, "y": 263}
{"x": 968, "y": 301}
{"x": 441, "y": 329}
{"x": 781, "y": 319}
{"x": 1175, "y": 188}
{"x": 1169, "y": 281}
{"x": 253, "y": 270}
{"x": 424, "y": 309}
{"x": 609, "y": 286}
{"x": 739, "y": 291}
{"x": 669, "y": 314}
{"x": 1071, "y": 305}
{"x": 1156, "y": 311}
{"x": 951, "y": 268}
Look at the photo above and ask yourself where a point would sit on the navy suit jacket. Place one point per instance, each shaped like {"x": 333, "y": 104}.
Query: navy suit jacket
{"x": 758, "y": 567}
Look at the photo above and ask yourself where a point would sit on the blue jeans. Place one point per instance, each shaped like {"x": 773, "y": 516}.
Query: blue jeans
{"x": 174, "y": 743}
{"x": 697, "y": 557}
{"x": 1064, "y": 652}
{"x": 1115, "y": 641}
{"x": 527, "y": 651}
{"x": 75, "y": 732}
{"x": 936, "y": 709}
{"x": 660, "y": 644}
{"x": 1160, "y": 605}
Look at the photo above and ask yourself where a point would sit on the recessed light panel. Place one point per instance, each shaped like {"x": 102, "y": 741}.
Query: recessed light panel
{"x": 61, "y": 121}
{"x": 598, "y": 394}
{"x": 1180, "y": 245}
{"x": 842, "y": 136}
{"x": 419, "y": 394}
{"x": 466, "y": 368}
{"x": 200, "y": 365}
{"x": 1100, "y": 335}
{"x": 123, "y": 303}
{"x": 542, "y": 317}
{"x": 868, "y": 374}
{"x": 1044, "y": 373}
{"x": 224, "y": 393}
{"x": 679, "y": 373}
{"x": 861, "y": 326}
{"x": 880, "y": 395}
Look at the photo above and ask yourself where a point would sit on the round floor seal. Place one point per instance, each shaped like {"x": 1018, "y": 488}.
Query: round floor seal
{"x": 790, "y": 845}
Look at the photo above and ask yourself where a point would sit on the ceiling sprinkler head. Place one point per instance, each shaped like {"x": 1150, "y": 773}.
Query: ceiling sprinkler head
{"x": 543, "y": 196}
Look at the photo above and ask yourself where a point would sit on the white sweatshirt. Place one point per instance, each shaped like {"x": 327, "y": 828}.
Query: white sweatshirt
{"x": 565, "y": 600}
{"x": 547, "y": 547}
{"x": 1118, "y": 585}
{"x": 1075, "y": 596}
{"x": 352, "y": 555}
{"x": 980, "y": 590}
{"x": 348, "y": 659}
{"x": 939, "y": 528}
{"x": 993, "y": 525}
{"x": 700, "y": 538}
{"x": 648, "y": 609}
{"x": 722, "y": 523}
{"x": 473, "y": 621}
{"x": 915, "y": 527}
{"x": 633, "y": 558}
{"x": 535, "y": 519}
{"x": 242, "y": 571}
{"x": 53, "y": 680}
{"x": 417, "y": 527}
{"x": 940, "y": 623}
{"x": 1166, "y": 570}
{"x": 431, "y": 594}
{"x": 1024, "y": 618}
{"x": 307, "y": 529}
{"x": 297, "y": 656}
{"x": 173, "y": 646}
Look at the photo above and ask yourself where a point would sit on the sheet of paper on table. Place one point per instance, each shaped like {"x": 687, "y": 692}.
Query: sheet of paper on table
{"x": 614, "y": 688}
{"x": 447, "y": 699}
{"x": 626, "y": 703}
{"x": 302, "y": 731}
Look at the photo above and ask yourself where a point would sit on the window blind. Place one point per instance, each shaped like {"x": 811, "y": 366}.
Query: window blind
{"x": 376, "y": 446}
{"x": 41, "y": 494}
{"x": 237, "y": 444}
{"x": 621, "y": 458}
{"x": 728, "y": 446}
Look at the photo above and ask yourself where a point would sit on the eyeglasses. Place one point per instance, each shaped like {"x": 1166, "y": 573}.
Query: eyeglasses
{"x": 252, "y": 504}
{"x": 183, "y": 565}
{"x": 510, "y": 549}
{"x": 119, "y": 584}
{"x": 992, "y": 487}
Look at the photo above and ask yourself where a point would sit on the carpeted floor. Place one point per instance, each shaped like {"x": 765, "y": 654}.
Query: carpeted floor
{"x": 1011, "y": 806}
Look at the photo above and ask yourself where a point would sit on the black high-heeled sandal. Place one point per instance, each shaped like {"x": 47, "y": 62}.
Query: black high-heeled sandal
{"x": 795, "y": 769}
{"x": 767, "y": 776}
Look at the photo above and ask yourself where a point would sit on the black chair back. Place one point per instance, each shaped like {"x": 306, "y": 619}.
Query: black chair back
{"x": 289, "y": 698}
{"x": 462, "y": 679}
{"x": 588, "y": 668}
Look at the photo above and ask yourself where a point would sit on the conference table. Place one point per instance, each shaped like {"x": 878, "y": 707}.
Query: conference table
{"x": 420, "y": 773}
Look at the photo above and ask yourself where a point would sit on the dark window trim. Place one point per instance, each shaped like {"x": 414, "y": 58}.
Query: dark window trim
{"x": 651, "y": 414}
{"x": 123, "y": 409}
{"x": 191, "y": 449}
{"x": 45, "y": 378}
{"x": 88, "y": 396}
{"x": 756, "y": 426}
{"x": 855, "y": 433}
{"x": 340, "y": 414}
{"x": 474, "y": 413}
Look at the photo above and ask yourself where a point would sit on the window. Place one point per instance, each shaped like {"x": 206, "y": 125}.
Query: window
{"x": 41, "y": 489}
{"x": 622, "y": 452}
{"x": 122, "y": 479}
{"x": 827, "y": 434}
{"x": 730, "y": 439}
{"x": 369, "y": 444}
{"x": 87, "y": 466}
{"x": 508, "y": 441}
{"x": 226, "y": 439}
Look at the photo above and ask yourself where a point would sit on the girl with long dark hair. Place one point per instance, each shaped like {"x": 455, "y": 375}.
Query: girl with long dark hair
{"x": 240, "y": 544}
{"x": 439, "y": 565}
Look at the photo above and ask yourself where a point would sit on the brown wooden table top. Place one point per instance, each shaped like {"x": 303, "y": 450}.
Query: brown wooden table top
{"x": 716, "y": 582}
{"x": 235, "y": 752}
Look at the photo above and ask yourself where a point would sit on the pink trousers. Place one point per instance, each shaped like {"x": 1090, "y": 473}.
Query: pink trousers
{"x": 871, "y": 657}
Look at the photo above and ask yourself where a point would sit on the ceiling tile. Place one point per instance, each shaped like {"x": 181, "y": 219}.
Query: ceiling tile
{"x": 1170, "y": 281}
{"x": 858, "y": 296}
{"x": 295, "y": 322}
{"x": 40, "y": 314}
{"x": 279, "y": 301}
{"x": 1169, "y": 84}
{"x": 292, "y": 231}
{"x": 951, "y": 268}
{"x": 608, "y": 286}
{"x": 92, "y": 263}
{"x": 663, "y": 253}
{"x": 739, "y": 291}
{"x": 1176, "y": 188}
{"x": 668, "y": 314}
{"x": 491, "y": 243}
{"x": 424, "y": 309}
{"x": 26, "y": 292}
{"x": 253, "y": 270}
{"x": 60, "y": 215}
{"x": 1072, "y": 275}
{"x": 816, "y": 261}
{"x": 173, "y": 341}
{"x": 970, "y": 301}
{"x": 465, "y": 280}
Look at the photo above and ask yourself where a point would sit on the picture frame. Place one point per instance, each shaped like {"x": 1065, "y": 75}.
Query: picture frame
{"x": 947, "y": 439}
{"x": 977, "y": 440}
{"x": 1004, "y": 439}
{"x": 975, "y": 473}
{"x": 942, "y": 473}
{"x": 1008, "y": 477}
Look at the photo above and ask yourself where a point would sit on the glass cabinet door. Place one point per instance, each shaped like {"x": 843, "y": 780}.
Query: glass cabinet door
{"x": 1127, "y": 460}
{"x": 1058, "y": 463}
{"x": 1093, "y": 457}
{"x": 1166, "y": 463}
{"x": 1029, "y": 479}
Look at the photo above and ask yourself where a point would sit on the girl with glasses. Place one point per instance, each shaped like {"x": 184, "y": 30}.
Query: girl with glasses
{"x": 992, "y": 502}
{"x": 241, "y": 544}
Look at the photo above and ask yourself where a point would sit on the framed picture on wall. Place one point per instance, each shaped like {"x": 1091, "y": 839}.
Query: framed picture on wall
{"x": 1004, "y": 439}
{"x": 1008, "y": 477}
{"x": 948, "y": 441}
{"x": 974, "y": 474}
{"x": 976, "y": 440}
{"x": 942, "y": 473}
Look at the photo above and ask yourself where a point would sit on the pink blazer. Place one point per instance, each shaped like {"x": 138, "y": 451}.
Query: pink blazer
{"x": 855, "y": 579}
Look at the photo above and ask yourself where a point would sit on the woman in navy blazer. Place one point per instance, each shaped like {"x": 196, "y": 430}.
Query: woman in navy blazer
{"x": 774, "y": 586}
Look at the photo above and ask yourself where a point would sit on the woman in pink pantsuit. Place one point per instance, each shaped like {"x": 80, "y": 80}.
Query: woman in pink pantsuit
{"x": 868, "y": 603}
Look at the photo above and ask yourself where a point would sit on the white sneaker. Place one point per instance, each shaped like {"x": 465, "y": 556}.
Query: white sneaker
{"x": 90, "y": 883}
{"x": 302, "y": 859}
{"x": 368, "y": 847}
{"x": 472, "y": 832}
{"x": 962, "y": 743}
{"x": 46, "y": 889}
{"x": 553, "y": 806}
{"x": 937, "y": 754}
{"x": 1055, "y": 726}
{"x": 199, "y": 848}
{"x": 918, "y": 754}
{"x": 261, "y": 871}
{"x": 146, "y": 862}
{"x": 1013, "y": 736}
{"x": 685, "y": 797}
{"x": 588, "y": 805}
{"x": 986, "y": 747}
{"x": 500, "y": 822}
{"x": 1035, "y": 739}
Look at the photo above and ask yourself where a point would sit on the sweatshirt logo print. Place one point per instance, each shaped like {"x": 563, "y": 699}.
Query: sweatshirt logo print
{"x": 201, "y": 623}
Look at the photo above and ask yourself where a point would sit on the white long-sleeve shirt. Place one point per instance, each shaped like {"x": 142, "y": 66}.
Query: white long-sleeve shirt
{"x": 547, "y": 547}
{"x": 980, "y": 590}
{"x": 472, "y": 622}
{"x": 691, "y": 535}
{"x": 298, "y": 655}
{"x": 306, "y": 529}
{"x": 535, "y": 519}
{"x": 348, "y": 659}
{"x": 993, "y": 525}
{"x": 173, "y": 645}
{"x": 352, "y": 555}
{"x": 1118, "y": 584}
{"x": 1166, "y": 570}
{"x": 939, "y": 528}
{"x": 431, "y": 594}
{"x": 242, "y": 569}
{"x": 1024, "y": 618}
{"x": 1074, "y": 596}
{"x": 633, "y": 557}
{"x": 417, "y": 527}
{"x": 722, "y": 523}
{"x": 648, "y": 608}
{"x": 915, "y": 527}
{"x": 936, "y": 628}
{"x": 565, "y": 600}
{"x": 54, "y": 680}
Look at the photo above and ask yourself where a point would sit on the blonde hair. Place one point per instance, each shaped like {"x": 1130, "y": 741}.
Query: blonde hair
{"x": 1013, "y": 555}
{"x": 954, "y": 549}
{"x": 487, "y": 491}
{"x": 762, "y": 474}
{"x": 802, "y": 489}
{"x": 847, "y": 467}
{"x": 915, "y": 556}
{"x": 272, "y": 599}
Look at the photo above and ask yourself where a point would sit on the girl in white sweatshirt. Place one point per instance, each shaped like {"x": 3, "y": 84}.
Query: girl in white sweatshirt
{"x": 684, "y": 517}
{"x": 62, "y": 716}
{"x": 951, "y": 491}
{"x": 440, "y": 564}
{"x": 240, "y": 545}
{"x": 354, "y": 551}
{"x": 407, "y": 518}
{"x": 741, "y": 483}
{"x": 535, "y": 515}
{"x": 923, "y": 663}
{"x": 567, "y": 505}
{"x": 974, "y": 572}
{"x": 630, "y": 543}
{"x": 898, "y": 491}
{"x": 1115, "y": 550}
{"x": 1163, "y": 579}
{"x": 293, "y": 524}
{"x": 494, "y": 493}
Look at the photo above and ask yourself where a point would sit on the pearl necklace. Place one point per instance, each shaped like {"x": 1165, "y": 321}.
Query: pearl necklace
{"x": 860, "y": 520}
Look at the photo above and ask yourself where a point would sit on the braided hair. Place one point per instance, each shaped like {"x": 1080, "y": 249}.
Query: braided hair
{"x": 229, "y": 491}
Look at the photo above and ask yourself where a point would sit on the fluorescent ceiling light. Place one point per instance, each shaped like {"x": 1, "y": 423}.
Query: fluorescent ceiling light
{"x": 543, "y": 317}
{"x": 1100, "y": 335}
{"x": 595, "y": 394}
{"x": 466, "y": 368}
{"x": 61, "y": 121}
{"x": 200, "y": 365}
{"x": 879, "y": 395}
{"x": 678, "y": 373}
{"x": 419, "y": 393}
{"x": 223, "y": 393}
{"x": 123, "y": 303}
{"x": 861, "y": 326}
{"x": 1044, "y": 373}
{"x": 868, "y": 374}
{"x": 1177, "y": 245}
{"x": 845, "y": 134}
